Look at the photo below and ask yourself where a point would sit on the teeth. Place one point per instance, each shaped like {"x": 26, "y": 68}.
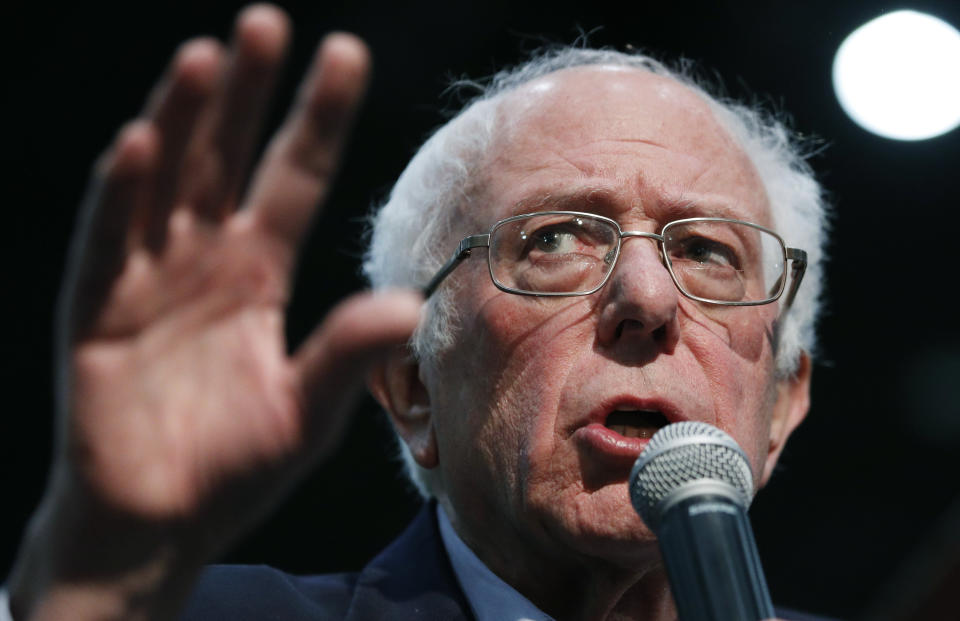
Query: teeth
{"x": 631, "y": 423}
{"x": 629, "y": 431}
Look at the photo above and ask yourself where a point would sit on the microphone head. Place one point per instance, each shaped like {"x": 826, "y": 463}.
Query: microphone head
{"x": 683, "y": 455}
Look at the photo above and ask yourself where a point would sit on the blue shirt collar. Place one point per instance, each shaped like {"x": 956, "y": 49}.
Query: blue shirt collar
{"x": 490, "y": 598}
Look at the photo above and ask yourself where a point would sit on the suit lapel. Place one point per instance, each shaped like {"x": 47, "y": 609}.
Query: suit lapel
{"x": 411, "y": 579}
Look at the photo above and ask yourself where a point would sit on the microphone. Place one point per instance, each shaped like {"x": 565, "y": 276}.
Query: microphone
{"x": 692, "y": 485}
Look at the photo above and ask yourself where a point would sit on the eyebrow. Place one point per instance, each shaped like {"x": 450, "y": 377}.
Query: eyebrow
{"x": 680, "y": 208}
{"x": 578, "y": 200}
{"x": 603, "y": 201}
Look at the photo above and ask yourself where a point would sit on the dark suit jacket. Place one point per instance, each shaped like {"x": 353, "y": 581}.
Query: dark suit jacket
{"x": 411, "y": 579}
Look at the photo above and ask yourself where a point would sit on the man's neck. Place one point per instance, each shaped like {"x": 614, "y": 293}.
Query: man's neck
{"x": 574, "y": 587}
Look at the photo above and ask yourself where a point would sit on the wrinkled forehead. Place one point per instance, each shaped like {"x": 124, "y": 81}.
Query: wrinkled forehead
{"x": 618, "y": 131}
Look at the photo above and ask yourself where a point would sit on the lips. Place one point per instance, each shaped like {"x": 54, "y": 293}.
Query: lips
{"x": 634, "y": 417}
{"x": 617, "y": 431}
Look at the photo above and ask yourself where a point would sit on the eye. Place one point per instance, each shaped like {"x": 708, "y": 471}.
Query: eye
{"x": 550, "y": 237}
{"x": 554, "y": 240}
{"x": 705, "y": 252}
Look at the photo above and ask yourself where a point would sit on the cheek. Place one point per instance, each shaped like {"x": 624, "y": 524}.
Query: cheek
{"x": 518, "y": 341}
{"x": 737, "y": 360}
{"x": 752, "y": 431}
{"x": 527, "y": 347}
{"x": 504, "y": 383}
{"x": 726, "y": 352}
{"x": 736, "y": 327}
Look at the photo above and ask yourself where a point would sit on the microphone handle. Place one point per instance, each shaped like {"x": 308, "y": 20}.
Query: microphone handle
{"x": 712, "y": 562}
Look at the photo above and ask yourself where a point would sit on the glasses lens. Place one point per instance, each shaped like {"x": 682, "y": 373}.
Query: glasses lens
{"x": 725, "y": 261}
{"x": 552, "y": 253}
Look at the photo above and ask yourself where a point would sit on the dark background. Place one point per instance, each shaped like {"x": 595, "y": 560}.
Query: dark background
{"x": 857, "y": 522}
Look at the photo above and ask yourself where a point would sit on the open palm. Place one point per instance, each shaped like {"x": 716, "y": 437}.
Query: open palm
{"x": 179, "y": 399}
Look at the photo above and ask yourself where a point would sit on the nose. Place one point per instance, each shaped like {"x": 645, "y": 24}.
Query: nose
{"x": 639, "y": 302}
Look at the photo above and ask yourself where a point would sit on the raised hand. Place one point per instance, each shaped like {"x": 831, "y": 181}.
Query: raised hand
{"x": 182, "y": 416}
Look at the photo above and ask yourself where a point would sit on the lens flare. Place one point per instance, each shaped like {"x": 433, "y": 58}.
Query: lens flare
{"x": 898, "y": 76}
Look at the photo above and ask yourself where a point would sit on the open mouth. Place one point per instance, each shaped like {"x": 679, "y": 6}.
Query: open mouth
{"x": 635, "y": 423}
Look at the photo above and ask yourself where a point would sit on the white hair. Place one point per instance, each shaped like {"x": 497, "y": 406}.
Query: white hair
{"x": 412, "y": 233}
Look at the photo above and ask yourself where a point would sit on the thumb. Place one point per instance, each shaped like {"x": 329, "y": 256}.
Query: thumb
{"x": 332, "y": 363}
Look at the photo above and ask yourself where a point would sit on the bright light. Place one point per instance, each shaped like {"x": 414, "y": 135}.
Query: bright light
{"x": 899, "y": 76}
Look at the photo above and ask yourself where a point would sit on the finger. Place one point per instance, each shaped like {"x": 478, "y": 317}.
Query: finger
{"x": 174, "y": 108}
{"x": 302, "y": 158}
{"x": 220, "y": 153}
{"x": 332, "y": 363}
{"x": 120, "y": 187}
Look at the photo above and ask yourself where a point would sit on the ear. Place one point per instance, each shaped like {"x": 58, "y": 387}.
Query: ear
{"x": 395, "y": 383}
{"x": 793, "y": 401}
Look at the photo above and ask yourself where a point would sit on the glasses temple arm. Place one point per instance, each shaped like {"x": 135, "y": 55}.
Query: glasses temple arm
{"x": 463, "y": 251}
{"x": 799, "y": 267}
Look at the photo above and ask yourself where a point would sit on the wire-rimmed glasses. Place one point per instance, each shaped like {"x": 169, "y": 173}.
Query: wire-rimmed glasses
{"x": 568, "y": 253}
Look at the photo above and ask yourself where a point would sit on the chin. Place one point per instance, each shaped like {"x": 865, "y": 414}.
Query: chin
{"x": 601, "y": 525}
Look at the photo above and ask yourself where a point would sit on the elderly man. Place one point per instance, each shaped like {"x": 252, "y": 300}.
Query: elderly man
{"x": 621, "y": 269}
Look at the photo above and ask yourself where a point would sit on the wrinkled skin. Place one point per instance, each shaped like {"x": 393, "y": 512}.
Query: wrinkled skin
{"x": 528, "y": 486}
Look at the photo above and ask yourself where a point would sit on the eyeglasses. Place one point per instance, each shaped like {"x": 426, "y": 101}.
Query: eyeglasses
{"x": 568, "y": 253}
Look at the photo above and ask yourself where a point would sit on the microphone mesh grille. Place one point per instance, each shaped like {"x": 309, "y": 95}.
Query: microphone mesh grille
{"x": 685, "y": 452}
